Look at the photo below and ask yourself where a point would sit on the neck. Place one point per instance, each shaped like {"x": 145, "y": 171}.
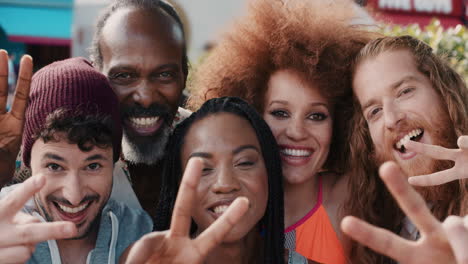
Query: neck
{"x": 299, "y": 199}
{"x": 249, "y": 249}
{"x": 146, "y": 181}
{"x": 77, "y": 250}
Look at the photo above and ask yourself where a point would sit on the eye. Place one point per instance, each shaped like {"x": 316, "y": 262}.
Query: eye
{"x": 54, "y": 167}
{"x": 166, "y": 75}
{"x": 373, "y": 112}
{"x": 94, "y": 166}
{"x": 206, "y": 171}
{"x": 406, "y": 91}
{"x": 318, "y": 116}
{"x": 245, "y": 163}
{"x": 122, "y": 77}
{"x": 279, "y": 113}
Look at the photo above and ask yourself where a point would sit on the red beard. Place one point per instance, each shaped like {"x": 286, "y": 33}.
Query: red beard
{"x": 442, "y": 133}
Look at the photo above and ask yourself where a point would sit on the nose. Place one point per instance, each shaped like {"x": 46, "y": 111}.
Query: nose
{"x": 393, "y": 114}
{"x": 145, "y": 93}
{"x": 226, "y": 181}
{"x": 73, "y": 190}
{"x": 296, "y": 130}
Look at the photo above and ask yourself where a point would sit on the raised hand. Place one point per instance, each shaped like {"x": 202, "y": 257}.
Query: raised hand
{"x": 19, "y": 231}
{"x": 456, "y": 229}
{"x": 12, "y": 122}
{"x": 175, "y": 245}
{"x": 432, "y": 247}
{"x": 459, "y": 156}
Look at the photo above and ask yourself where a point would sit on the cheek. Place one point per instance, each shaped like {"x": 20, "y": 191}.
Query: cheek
{"x": 275, "y": 126}
{"x": 122, "y": 92}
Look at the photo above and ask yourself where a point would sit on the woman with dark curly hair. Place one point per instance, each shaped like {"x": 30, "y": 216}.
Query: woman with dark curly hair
{"x": 291, "y": 60}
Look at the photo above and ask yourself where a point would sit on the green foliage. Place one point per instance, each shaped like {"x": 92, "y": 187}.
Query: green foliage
{"x": 451, "y": 43}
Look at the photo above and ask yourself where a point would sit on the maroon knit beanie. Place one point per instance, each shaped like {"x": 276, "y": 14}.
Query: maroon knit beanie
{"x": 71, "y": 84}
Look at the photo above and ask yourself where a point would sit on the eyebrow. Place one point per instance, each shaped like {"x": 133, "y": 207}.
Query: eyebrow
{"x": 393, "y": 86}
{"x": 207, "y": 155}
{"x": 244, "y": 147}
{"x": 96, "y": 157}
{"x": 286, "y": 103}
{"x": 49, "y": 155}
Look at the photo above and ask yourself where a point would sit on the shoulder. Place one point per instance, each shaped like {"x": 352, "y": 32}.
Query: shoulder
{"x": 334, "y": 186}
{"x": 296, "y": 258}
{"x": 128, "y": 216}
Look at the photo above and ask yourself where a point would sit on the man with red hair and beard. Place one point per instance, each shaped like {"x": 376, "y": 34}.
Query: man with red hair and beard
{"x": 410, "y": 108}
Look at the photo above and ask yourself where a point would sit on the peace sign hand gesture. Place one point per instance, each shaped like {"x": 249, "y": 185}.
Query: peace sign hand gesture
{"x": 12, "y": 122}
{"x": 459, "y": 156}
{"x": 432, "y": 247}
{"x": 20, "y": 231}
{"x": 175, "y": 245}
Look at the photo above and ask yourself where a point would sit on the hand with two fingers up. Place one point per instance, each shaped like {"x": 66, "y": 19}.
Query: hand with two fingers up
{"x": 175, "y": 245}
{"x": 20, "y": 232}
{"x": 12, "y": 122}
{"x": 439, "y": 242}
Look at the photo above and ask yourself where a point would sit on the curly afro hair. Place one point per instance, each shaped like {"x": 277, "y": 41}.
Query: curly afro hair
{"x": 316, "y": 39}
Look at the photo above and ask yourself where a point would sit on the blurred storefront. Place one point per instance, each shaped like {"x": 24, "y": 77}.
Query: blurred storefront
{"x": 41, "y": 28}
{"x": 449, "y": 12}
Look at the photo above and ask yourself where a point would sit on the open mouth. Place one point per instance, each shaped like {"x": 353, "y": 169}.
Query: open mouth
{"x": 145, "y": 125}
{"x": 414, "y": 135}
{"x": 220, "y": 207}
{"x": 74, "y": 214}
{"x": 295, "y": 152}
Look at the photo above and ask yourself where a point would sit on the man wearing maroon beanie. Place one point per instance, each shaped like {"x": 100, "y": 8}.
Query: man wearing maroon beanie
{"x": 71, "y": 141}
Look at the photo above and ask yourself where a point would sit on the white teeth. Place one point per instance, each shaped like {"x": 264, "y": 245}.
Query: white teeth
{"x": 296, "y": 152}
{"x": 412, "y": 134}
{"x": 74, "y": 210}
{"x": 220, "y": 209}
{"x": 144, "y": 121}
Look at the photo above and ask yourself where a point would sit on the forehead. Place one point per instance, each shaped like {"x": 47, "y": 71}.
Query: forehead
{"x": 134, "y": 34}
{"x": 290, "y": 86}
{"x": 220, "y": 132}
{"x": 384, "y": 71}
{"x": 67, "y": 151}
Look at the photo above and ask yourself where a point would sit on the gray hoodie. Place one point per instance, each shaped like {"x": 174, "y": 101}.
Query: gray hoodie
{"x": 119, "y": 227}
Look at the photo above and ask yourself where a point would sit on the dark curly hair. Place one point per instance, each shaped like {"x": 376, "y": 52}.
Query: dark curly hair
{"x": 86, "y": 131}
{"x": 313, "y": 38}
{"x": 273, "y": 220}
{"x": 156, "y": 6}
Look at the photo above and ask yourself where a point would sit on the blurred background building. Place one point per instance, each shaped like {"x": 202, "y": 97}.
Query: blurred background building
{"x": 51, "y": 30}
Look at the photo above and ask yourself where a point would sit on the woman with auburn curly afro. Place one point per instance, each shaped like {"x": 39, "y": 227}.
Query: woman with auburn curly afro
{"x": 291, "y": 60}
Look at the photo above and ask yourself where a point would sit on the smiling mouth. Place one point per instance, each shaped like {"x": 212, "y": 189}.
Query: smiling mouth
{"x": 300, "y": 153}
{"x": 145, "y": 125}
{"x": 74, "y": 214}
{"x": 414, "y": 135}
{"x": 220, "y": 208}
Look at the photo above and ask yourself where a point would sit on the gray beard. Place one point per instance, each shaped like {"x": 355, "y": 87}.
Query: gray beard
{"x": 148, "y": 153}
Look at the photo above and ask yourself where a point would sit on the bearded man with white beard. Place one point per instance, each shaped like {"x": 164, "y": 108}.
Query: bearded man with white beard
{"x": 410, "y": 108}
{"x": 140, "y": 46}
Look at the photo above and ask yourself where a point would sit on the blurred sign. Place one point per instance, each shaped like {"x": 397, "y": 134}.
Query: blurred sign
{"x": 434, "y": 7}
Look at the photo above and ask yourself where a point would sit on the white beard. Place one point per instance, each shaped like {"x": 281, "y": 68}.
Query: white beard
{"x": 148, "y": 153}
